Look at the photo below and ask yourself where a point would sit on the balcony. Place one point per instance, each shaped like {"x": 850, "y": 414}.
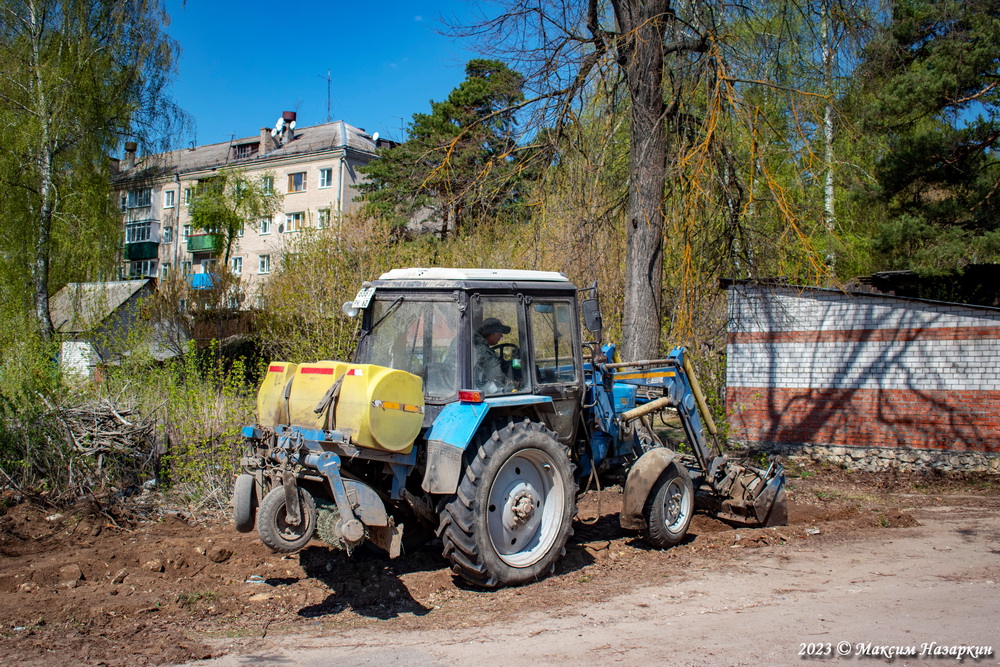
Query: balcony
{"x": 143, "y": 250}
{"x": 204, "y": 243}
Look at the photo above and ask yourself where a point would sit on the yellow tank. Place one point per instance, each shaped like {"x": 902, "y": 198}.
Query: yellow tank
{"x": 310, "y": 384}
{"x": 380, "y": 408}
{"x": 271, "y": 395}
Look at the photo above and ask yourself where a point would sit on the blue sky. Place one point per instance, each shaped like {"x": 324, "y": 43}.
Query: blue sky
{"x": 243, "y": 63}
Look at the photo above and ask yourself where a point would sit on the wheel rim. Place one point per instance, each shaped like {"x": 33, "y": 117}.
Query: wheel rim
{"x": 525, "y": 508}
{"x": 676, "y": 505}
{"x": 287, "y": 531}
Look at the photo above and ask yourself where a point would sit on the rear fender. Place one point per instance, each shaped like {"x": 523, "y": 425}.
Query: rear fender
{"x": 451, "y": 433}
{"x": 641, "y": 479}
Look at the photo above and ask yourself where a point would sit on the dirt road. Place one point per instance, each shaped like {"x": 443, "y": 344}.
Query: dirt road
{"x": 878, "y": 559}
{"x": 918, "y": 592}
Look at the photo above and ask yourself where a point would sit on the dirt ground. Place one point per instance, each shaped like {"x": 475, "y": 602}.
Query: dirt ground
{"x": 77, "y": 588}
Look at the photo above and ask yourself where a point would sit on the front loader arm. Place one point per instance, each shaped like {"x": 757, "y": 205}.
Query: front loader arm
{"x": 729, "y": 490}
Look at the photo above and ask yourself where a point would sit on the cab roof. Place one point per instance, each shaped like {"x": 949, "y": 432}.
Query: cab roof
{"x": 477, "y": 275}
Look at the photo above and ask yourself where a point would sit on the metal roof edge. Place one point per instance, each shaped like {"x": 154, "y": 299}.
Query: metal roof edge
{"x": 726, "y": 283}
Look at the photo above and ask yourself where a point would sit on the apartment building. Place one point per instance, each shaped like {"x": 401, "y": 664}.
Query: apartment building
{"x": 314, "y": 168}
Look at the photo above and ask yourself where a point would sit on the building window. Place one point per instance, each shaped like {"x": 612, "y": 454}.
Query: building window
{"x": 237, "y": 265}
{"x": 325, "y": 178}
{"x": 145, "y": 268}
{"x": 294, "y": 221}
{"x": 164, "y": 269}
{"x": 241, "y": 230}
{"x": 297, "y": 182}
{"x": 187, "y": 196}
{"x": 264, "y": 264}
{"x": 124, "y": 203}
{"x": 168, "y": 234}
{"x": 186, "y": 267}
{"x": 138, "y": 232}
{"x": 265, "y": 225}
{"x": 187, "y": 231}
{"x": 168, "y": 198}
{"x": 322, "y": 218}
{"x": 139, "y": 198}
{"x": 244, "y": 151}
{"x": 267, "y": 184}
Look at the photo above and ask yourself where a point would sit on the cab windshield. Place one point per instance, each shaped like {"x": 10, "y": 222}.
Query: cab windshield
{"x": 419, "y": 337}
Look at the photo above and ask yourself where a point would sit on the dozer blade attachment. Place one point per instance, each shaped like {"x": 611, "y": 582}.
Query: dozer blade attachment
{"x": 751, "y": 496}
{"x": 772, "y": 504}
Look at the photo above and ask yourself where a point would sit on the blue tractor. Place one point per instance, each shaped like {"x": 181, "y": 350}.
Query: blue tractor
{"x": 477, "y": 406}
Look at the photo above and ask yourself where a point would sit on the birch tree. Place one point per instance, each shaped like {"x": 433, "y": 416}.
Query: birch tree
{"x": 77, "y": 78}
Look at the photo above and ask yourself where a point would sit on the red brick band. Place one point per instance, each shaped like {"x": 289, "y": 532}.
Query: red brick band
{"x": 865, "y": 335}
{"x": 938, "y": 420}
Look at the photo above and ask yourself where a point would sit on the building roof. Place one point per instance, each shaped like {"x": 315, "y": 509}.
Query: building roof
{"x": 307, "y": 140}
{"x": 79, "y": 307}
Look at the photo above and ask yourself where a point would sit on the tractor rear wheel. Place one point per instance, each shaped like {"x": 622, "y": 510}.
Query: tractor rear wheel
{"x": 669, "y": 508}
{"x": 513, "y": 513}
{"x": 272, "y": 522}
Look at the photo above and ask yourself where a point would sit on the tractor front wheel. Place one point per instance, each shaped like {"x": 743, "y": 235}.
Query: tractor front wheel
{"x": 510, "y": 519}
{"x": 669, "y": 508}
{"x": 272, "y": 522}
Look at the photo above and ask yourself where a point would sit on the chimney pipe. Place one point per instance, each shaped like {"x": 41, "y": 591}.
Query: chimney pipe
{"x": 130, "y": 149}
{"x": 267, "y": 143}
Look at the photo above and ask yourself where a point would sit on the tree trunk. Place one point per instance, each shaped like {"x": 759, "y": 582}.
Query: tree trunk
{"x": 829, "y": 214}
{"x": 40, "y": 277}
{"x": 46, "y": 192}
{"x": 643, "y": 27}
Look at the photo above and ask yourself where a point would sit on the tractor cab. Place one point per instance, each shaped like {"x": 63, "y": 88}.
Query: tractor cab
{"x": 478, "y": 335}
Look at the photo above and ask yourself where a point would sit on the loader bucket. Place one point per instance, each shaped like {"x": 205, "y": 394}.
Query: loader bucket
{"x": 751, "y": 496}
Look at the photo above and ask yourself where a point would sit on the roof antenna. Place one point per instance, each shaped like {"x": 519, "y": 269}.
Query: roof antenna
{"x": 328, "y": 79}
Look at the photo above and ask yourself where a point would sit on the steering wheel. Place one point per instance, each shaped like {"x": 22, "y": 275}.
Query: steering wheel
{"x": 506, "y": 352}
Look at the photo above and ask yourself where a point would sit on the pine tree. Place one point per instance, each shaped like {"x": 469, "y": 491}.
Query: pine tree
{"x": 458, "y": 161}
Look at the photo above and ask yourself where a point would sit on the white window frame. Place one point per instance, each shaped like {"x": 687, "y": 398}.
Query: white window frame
{"x": 164, "y": 269}
{"x": 265, "y": 225}
{"x": 146, "y": 268}
{"x": 263, "y": 264}
{"x": 187, "y": 196}
{"x": 140, "y": 198}
{"x": 186, "y": 267}
{"x": 169, "y": 198}
{"x": 295, "y": 222}
{"x": 139, "y": 232}
{"x": 168, "y": 234}
{"x": 236, "y": 263}
{"x": 322, "y": 218}
{"x": 267, "y": 184}
{"x": 241, "y": 230}
{"x": 325, "y": 178}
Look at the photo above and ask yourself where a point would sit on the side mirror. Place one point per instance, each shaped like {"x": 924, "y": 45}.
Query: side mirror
{"x": 592, "y": 316}
{"x": 349, "y": 309}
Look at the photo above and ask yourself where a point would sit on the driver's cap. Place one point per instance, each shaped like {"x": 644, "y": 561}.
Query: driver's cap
{"x": 492, "y": 325}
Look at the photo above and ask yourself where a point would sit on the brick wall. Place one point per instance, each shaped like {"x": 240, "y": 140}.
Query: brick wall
{"x": 812, "y": 367}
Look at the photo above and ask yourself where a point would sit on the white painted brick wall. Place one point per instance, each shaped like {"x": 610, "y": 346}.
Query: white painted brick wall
{"x": 932, "y": 365}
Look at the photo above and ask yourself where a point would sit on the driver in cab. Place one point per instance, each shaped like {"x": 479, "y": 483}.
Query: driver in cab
{"x": 488, "y": 372}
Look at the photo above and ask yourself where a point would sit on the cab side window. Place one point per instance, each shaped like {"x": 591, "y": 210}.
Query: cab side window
{"x": 498, "y": 345}
{"x": 552, "y": 336}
